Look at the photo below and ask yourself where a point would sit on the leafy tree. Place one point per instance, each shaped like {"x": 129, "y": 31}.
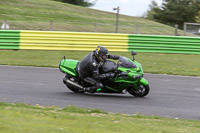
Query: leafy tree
{"x": 84, "y": 3}
{"x": 151, "y": 11}
{"x": 177, "y": 12}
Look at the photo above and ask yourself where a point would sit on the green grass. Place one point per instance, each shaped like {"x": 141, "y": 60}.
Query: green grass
{"x": 175, "y": 64}
{"x": 23, "y": 118}
{"x": 37, "y": 14}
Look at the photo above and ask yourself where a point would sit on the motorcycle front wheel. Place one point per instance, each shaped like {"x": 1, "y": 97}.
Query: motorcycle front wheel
{"x": 140, "y": 91}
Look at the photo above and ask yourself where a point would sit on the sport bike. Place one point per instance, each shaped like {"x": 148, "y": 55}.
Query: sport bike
{"x": 129, "y": 77}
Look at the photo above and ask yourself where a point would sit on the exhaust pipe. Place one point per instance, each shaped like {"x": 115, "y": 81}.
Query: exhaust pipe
{"x": 67, "y": 81}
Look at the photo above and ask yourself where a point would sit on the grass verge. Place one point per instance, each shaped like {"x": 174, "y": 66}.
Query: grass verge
{"x": 37, "y": 14}
{"x": 23, "y": 118}
{"x": 175, "y": 64}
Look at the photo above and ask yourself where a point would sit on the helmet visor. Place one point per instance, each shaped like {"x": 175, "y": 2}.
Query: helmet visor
{"x": 104, "y": 56}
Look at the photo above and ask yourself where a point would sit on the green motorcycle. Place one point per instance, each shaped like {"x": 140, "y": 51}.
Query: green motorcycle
{"x": 129, "y": 77}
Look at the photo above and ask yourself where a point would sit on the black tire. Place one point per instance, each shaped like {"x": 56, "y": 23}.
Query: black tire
{"x": 74, "y": 89}
{"x": 141, "y": 91}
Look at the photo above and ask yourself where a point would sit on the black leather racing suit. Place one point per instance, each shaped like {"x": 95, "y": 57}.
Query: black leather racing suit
{"x": 88, "y": 70}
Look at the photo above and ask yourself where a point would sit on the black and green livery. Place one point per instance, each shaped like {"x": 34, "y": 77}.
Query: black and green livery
{"x": 129, "y": 77}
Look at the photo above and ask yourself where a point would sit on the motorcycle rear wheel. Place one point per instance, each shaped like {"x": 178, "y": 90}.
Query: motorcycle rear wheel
{"x": 141, "y": 91}
{"x": 74, "y": 89}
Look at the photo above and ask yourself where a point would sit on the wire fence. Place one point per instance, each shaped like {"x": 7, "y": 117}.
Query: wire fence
{"x": 79, "y": 26}
{"x": 193, "y": 28}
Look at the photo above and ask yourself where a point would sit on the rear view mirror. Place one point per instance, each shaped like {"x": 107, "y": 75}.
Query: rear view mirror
{"x": 133, "y": 54}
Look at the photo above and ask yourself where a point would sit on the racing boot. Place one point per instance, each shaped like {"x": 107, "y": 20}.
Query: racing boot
{"x": 90, "y": 89}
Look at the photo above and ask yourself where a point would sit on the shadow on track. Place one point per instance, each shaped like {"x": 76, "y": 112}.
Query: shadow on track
{"x": 100, "y": 95}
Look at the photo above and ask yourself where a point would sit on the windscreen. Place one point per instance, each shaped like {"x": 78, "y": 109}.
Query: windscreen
{"x": 124, "y": 62}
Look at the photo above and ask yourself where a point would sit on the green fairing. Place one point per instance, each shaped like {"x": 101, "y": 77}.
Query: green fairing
{"x": 133, "y": 76}
{"x": 130, "y": 72}
{"x": 143, "y": 81}
{"x": 130, "y": 81}
{"x": 69, "y": 66}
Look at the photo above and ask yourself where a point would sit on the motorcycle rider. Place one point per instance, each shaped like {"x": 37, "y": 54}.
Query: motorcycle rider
{"x": 88, "y": 68}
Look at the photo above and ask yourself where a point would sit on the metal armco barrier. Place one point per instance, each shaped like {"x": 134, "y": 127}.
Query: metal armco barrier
{"x": 45, "y": 40}
{"x": 52, "y": 40}
{"x": 9, "y": 39}
{"x": 164, "y": 44}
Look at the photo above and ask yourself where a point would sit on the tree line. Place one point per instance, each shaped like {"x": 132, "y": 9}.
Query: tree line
{"x": 84, "y": 3}
{"x": 174, "y": 12}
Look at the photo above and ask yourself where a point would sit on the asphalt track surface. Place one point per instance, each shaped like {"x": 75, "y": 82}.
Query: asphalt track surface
{"x": 170, "y": 96}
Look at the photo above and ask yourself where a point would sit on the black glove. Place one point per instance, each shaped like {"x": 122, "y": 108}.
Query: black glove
{"x": 114, "y": 57}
